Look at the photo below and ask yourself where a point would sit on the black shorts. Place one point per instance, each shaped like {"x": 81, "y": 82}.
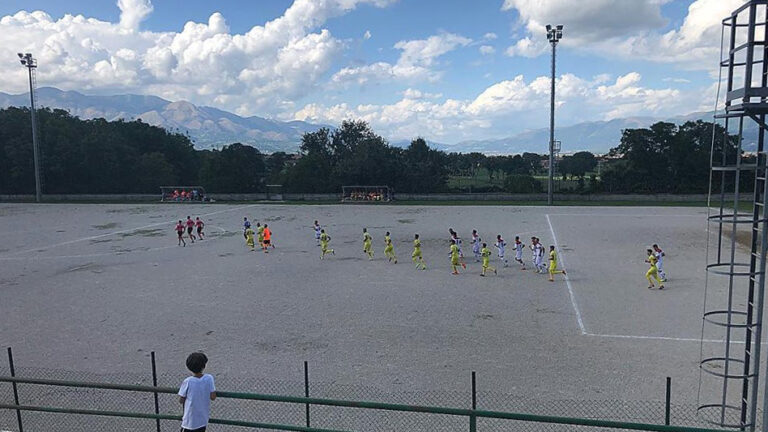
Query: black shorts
{"x": 189, "y": 230}
{"x": 266, "y": 242}
{"x": 199, "y": 230}
{"x": 202, "y": 429}
{"x": 180, "y": 233}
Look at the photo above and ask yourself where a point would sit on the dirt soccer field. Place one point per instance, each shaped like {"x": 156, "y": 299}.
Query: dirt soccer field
{"x": 92, "y": 289}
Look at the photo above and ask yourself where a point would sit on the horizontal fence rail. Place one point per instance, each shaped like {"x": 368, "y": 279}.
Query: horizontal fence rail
{"x": 461, "y": 412}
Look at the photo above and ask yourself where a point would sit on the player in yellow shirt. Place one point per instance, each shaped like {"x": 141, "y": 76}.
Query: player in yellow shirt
{"x": 652, "y": 272}
{"x": 324, "y": 240}
{"x": 249, "y": 238}
{"x": 553, "y": 264}
{"x": 455, "y": 262}
{"x": 485, "y": 253}
{"x": 389, "y": 248}
{"x": 367, "y": 244}
{"x": 260, "y": 234}
{"x": 416, "y": 255}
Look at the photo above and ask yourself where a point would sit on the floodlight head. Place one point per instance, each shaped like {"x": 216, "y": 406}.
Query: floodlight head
{"x": 21, "y": 55}
{"x": 28, "y": 54}
{"x": 23, "y": 62}
{"x": 560, "y": 27}
{"x": 549, "y": 27}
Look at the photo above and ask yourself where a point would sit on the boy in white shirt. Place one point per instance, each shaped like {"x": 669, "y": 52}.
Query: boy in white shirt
{"x": 196, "y": 394}
{"x": 519, "y": 246}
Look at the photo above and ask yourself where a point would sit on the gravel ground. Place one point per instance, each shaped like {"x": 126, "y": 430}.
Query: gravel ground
{"x": 92, "y": 289}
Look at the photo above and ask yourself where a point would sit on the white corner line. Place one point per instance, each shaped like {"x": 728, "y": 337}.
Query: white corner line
{"x": 568, "y": 281}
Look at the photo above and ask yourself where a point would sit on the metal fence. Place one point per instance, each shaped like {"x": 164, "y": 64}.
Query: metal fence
{"x": 76, "y": 401}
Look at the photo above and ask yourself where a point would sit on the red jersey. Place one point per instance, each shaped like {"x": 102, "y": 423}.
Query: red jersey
{"x": 199, "y": 223}
{"x": 267, "y": 234}
{"x": 190, "y": 223}
{"x": 179, "y": 227}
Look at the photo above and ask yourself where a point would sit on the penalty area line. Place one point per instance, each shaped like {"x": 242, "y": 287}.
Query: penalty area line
{"x": 568, "y": 281}
{"x": 39, "y": 249}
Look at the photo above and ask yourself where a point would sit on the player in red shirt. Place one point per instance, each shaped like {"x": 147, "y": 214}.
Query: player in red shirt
{"x": 180, "y": 232}
{"x": 200, "y": 226}
{"x": 190, "y": 227}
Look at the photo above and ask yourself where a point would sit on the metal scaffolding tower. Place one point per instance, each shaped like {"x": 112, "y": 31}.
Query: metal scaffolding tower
{"x": 734, "y": 293}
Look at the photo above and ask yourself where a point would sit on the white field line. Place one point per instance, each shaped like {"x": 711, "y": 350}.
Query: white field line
{"x": 115, "y": 232}
{"x": 584, "y": 332}
{"x": 22, "y": 258}
{"x": 568, "y": 281}
{"x": 628, "y": 215}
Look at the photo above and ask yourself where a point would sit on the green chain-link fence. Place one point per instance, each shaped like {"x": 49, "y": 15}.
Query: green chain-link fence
{"x": 326, "y": 417}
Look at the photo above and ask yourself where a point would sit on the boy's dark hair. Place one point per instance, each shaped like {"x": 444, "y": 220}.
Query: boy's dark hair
{"x": 196, "y": 362}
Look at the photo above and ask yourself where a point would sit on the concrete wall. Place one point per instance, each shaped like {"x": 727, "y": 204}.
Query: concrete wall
{"x": 337, "y": 197}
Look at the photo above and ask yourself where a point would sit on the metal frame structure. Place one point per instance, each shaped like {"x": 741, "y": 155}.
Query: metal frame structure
{"x": 734, "y": 367}
{"x": 380, "y": 193}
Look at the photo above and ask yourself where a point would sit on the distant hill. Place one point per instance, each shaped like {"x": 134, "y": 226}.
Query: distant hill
{"x": 208, "y": 127}
{"x": 211, "y": 127}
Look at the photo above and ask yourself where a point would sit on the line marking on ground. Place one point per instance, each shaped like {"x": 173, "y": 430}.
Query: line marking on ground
{"x": 663, "y": 338}
{"x": 568, "y": 281}
{"x": 628, "y": 215}
{"x": 114, "y": 233}
{"x": 101, "y": 254}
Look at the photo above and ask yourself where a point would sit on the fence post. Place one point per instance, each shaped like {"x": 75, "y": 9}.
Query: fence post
{"x": 473, "y": 417}
{"x": 15, "y": 389}
{"x": 306, "y": 390}
{"x": 154, "y": 384}
{"x": 667, "y": 404}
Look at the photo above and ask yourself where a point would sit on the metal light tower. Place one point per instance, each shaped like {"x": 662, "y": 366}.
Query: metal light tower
{"x": 31, "y": 64}
{"x": 554, "y": 34}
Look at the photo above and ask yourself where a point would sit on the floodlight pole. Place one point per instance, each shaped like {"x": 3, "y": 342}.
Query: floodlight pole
{"x": 31, "y": 63}
{"x": 553, "y": 35}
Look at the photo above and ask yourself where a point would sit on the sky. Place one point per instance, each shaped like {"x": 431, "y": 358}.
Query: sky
{"x": 446, "y": 70}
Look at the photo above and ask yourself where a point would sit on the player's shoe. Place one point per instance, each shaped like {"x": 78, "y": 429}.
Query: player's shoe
{"x": 482, "y": 274}
{"x": 661, "y": 287}
{"x": 495, "y": 272}
{"x": 395, "y": 261}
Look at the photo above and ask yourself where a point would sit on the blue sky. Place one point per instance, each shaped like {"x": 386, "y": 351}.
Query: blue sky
{"x": 446, "y": 70}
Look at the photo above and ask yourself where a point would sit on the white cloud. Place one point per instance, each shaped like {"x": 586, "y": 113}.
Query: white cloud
{"x": 677, "y": 80}
{"x": 509, "y": 106}
{"x": 133, "y": 12}
{"x": 263, "y": 70}
{"x": 629, "y": 29}
{"x": 490, "y": 36}
{"x": 487, "y": 50}
{"x": 415, "y": 63}
{"x": 367, "y": 35}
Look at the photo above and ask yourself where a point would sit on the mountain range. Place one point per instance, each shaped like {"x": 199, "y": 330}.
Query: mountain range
{"x": 210, "y": 127}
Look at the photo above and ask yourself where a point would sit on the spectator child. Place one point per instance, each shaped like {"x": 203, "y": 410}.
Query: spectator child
{"x": 196, "y": 394}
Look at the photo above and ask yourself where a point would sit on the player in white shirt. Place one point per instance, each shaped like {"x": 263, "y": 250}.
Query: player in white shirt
{"x": 659, "y": 254}
{"x": 457, "y": 241}
{"x": 476, "y": 245}
{"x": 501, "y": 246}
{"x": 318, "y": 232}
{"x": 519, "y": 246}
{"x": 196, "y": 393}
{"x": 538, "y": 255}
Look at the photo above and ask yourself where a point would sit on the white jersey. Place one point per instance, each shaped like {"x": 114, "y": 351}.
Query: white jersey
{"x": 659, "y": 258}
{"x": 519, "y": 250}
{"x": 501, "y": 245}
{"x": 476, "y": 244}
{"x": 318, "y": 228}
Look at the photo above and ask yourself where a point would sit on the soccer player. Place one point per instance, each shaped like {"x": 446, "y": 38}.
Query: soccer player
{"x": 199, "y": 223}
{"x": 457, "y": 241}
{"x": 389, "y": 248}
{"x": 652, "y": 272}
{"x": 190, "y": 226}
{"x": 519, "y": 246}
{"x": 534, "y": 261}
{"x": 659, "y": 254}
{"x": 486, "y": 254}
{"x": 541, "y": 251}
{"x": 476, "y": 245}
{"x": 246, "y": 225}
{"x": 266, "y": 238}
{"x": 553, "y": 264}
{"x": 249, "y": 238}
{"x": 367, "y": 244}
{"x": 260, "y": 234}
{"x": 180, "y": 232}
{"x": 318, "y": 232}
{"x": 324, "y": 240}
{"x": 416, "y": 255}
{"x": 501, "y": 246}
{"x": 454, "y": 257}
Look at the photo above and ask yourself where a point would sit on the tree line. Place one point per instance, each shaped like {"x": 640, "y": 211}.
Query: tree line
{"x": 97, "y": 156}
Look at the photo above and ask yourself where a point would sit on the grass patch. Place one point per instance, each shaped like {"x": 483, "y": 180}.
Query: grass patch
{"x": 106, "y": 226}
{"x": 155, "y": 232}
